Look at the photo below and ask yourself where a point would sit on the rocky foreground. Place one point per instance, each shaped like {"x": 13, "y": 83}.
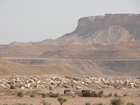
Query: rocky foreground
{"x": 59, "y": 81}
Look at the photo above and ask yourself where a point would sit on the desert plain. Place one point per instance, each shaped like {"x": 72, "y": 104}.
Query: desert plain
{"x": 101, "y": 54}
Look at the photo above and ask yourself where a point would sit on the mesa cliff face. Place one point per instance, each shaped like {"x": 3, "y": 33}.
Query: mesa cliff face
{"x": 106, "y": 30}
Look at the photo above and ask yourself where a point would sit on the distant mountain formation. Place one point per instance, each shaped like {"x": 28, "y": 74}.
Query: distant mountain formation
{"x": 109, "y": 36}
{"x": 13, "y": 68}
{"x": 106, "y": 30}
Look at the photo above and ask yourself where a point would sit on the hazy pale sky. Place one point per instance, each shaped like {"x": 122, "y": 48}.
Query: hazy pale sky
{"x": 36, "y": 20}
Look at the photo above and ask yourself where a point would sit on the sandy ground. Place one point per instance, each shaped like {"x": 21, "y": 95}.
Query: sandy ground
{"x": 9, "y": 97}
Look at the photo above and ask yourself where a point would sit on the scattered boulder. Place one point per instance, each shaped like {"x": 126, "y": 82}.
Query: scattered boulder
{"x": 54, "y": 81}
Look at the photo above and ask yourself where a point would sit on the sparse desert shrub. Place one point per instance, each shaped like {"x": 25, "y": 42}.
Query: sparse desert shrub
{"x": 12, "y": 87}
{"x": 20, "y": 94}
{"x": 44, "y": 95}
{"x": 87, "y": 103}
{"x": 73, "y": 96}
{"x": 32, "y": 95}
{"x": 125, "y": 94}
{"x": 61, "y": 100}
{"x": 95, "y": 94}
{"x": 99, "y": 104}
{"x": 138, "y": 95}
{"x": 86, "y": 93}
{"x": 24, "y": 104}
{"x": 100, "y": 93}
{"x": 106, "y": 96}
{"x": 21, "y": 104}
{"x": 43, "y": 102}
{"x": 116, "y": 102}
{"x": 54, "y": 95}
{"x": 116, "y": 95}
{"x": 65, "y": 86}
{"x": 130, "y": 103}
{"x": 110, "y": 95}
{"x": 13, "y": 93}
{"x": 5, "y": 104}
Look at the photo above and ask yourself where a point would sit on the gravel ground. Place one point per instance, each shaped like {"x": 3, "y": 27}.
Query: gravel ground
{"x": 9, "y": 97}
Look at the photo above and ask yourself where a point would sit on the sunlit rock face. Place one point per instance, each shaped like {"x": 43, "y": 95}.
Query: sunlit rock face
{"x": 106, "y": 30}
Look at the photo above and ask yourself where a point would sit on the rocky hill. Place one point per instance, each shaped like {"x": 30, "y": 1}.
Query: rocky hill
{"x": 106, "y": 30}
{"x": 13, "y": 68}
{"x": 94, "y": 37}
{"x": 84, "y": 67}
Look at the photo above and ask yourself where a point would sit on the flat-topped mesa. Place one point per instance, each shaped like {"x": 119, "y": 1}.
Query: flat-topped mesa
{"x": 90, "y": 19}
{"x": 106, "y": 30}
{"x": 111, "y": 19}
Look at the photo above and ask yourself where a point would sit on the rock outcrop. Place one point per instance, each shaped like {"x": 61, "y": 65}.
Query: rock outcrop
{"x": 58, "y": 81}
{"x": 106, "y": 30}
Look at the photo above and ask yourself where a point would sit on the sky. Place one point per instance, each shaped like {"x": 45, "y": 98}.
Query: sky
{"x": 37, "y": 20}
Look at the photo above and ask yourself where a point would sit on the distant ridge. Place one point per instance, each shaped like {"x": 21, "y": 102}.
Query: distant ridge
{"x": 94, "y": 37}
{"x": 14, "y": 68}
